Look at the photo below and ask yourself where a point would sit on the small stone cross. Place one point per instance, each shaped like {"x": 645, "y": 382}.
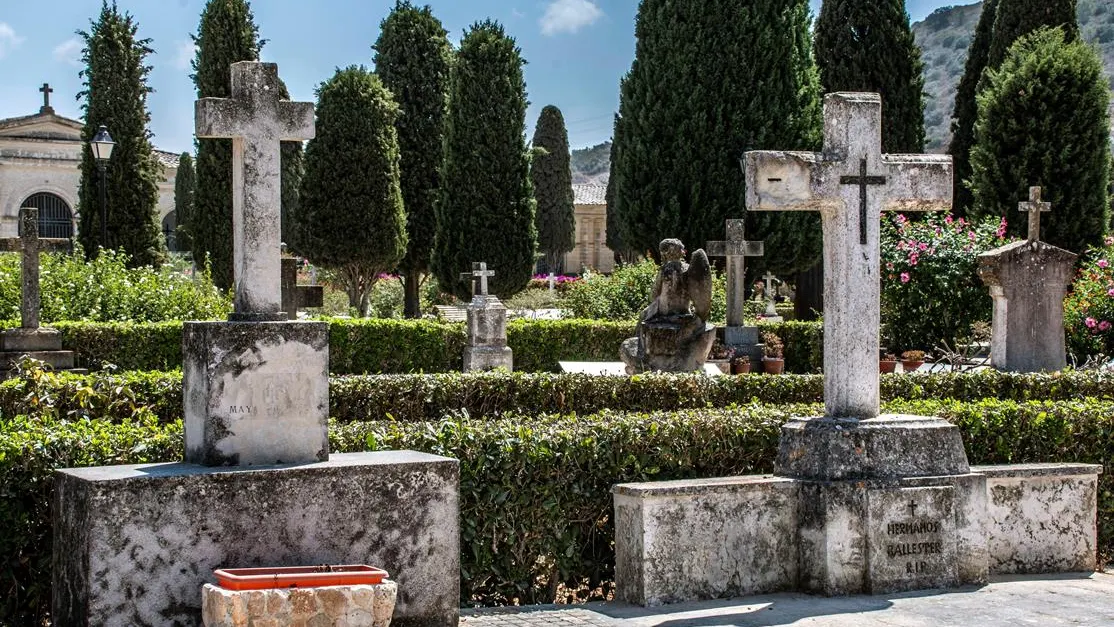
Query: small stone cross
{"x": 478, "y": 276}
{"x": 46, "y": 90}
{"x": 1034, "y": 208}
{"x": 294, "y": 296}
{"x": 31, "y": 245}
{"x": 256, "y": 120}
{"x": 736, "y": 249}
{"x": 771, "y": 309}
{"x": 912, "y": 508}
{"x": 835, "y": 183}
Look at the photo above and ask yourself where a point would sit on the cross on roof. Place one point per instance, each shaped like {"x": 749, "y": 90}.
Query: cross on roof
{"x": 46, "y": 91}
{"x": 478, "y": 276}
{"x": 256, "y": 119}
{"x": 835, "y": 183}
{"x": 736, "y": 249}
{"x": 31, "y": 245}
{"x": 1034, "y": 208}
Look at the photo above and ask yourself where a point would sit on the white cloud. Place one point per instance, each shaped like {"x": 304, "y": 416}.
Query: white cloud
{"x": 8, "y": 39}
{"x": 186, "y": 52}
{"x": 69, "y": 52}
{"x": 569, "y": 16}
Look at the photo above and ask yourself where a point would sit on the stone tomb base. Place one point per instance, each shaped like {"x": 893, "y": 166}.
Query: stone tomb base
{"x": 351, "y": 606}
{"x": 133, "y": 545}
{"x": 852, "y": 527}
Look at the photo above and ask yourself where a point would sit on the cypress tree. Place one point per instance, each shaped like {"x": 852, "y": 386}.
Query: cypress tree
{"x": 1016, "y": 18}
{"x": 966, "y": 109}
{"x": 867, "y": 45}
{"x": 115, "y": 96}
{"x": 185, "y": 184}
{"x": 412, "y": 57}
{"x": 551, "y": 176}
{"x": 351, "y": 215}
{"x": 711, "y": 80}
{"x": 486, "y": 208}
{"x": 1043, "y": 121}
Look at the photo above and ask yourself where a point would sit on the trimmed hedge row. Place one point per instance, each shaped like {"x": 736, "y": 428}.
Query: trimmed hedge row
{"x": 358, "y": 346}
{"x": 535, "y": 490}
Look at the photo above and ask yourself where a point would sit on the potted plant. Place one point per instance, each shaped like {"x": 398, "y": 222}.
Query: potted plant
{"x": 888, "y": 363}
{"x": 720, "y": 354}
{"x": 911, "y": 360}
{"x": 773, "y": 353}
{"x": 740, "y": 365}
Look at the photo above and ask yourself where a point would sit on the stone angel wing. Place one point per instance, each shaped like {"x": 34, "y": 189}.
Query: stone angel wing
{"x": 698, "y": 283}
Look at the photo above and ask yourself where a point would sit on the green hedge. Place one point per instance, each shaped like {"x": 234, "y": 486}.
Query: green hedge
{"x": 535, "y": 490}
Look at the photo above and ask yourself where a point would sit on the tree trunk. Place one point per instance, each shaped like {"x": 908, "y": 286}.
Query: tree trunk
{"x": 412, "y": 304}
{"x": 810, "y": 293}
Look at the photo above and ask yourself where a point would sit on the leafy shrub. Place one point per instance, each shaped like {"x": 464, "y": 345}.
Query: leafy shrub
{"x": 126, "y": 345}
{"x": 931, "y": 292}
{"x": 624, "y": 293}
{"x": 1089, "y": 308}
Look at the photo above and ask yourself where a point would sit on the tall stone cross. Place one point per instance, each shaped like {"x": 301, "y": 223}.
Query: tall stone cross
{"x": 850, "y": 183}
{"x": 771, "y": 308}
{"x": 31, "y": 245}
{"x": 1034, "y": 208}
{"x": 46, "y": 90}
{"x": 256, "y": 120}
{"x": 736, "y": 249}
{"x": 478, "y": 276}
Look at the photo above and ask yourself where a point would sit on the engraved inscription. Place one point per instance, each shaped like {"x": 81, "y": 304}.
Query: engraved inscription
{"x": 914, "y": 527}
{"x": 240, "y": 409}
{"x": 912, "y": 537}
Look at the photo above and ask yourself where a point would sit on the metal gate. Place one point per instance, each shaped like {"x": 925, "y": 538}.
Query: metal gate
{"x": 55, "y": 216}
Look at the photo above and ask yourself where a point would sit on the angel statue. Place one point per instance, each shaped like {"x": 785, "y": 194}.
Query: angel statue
{"x": 673, "y": 334}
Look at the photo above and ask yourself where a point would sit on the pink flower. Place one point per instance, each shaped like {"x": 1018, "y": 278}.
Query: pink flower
{"x": 900, "y": 219}
{"x": 971, "y": 235}
{"x": 1091, "y": 323}
{"x": 890, "y": 266}
{"x": 904, "y": 277}
{"x": 1104, "y": 325}
{"x": 1104, "y": 263}
{"x": 924, "y": 246}
{"x": 1001, "y": 232}
{"x": 948, "y": 219}
{"x": 913, "y": 257}
{"x": 1110, "y": 292}
{"x": 1108, "y": 240}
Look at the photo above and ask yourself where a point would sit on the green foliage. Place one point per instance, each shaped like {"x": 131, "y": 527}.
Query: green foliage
{"x": 351, "y": 217}
{"x": 1089, "y": 308}
{"x": 486, "y": 208}
{"x": 125, "y": 345}
{"x": 867, "y": 45}
{"x": 623, "y": 294}
{"x": 1043, "y": 120}
{"x": 551, "y": 177}
{"x": 966, "y": 110}
{"x": 931, "y": 291}
{"x": 412, "y": 58}
{"x": 185, "y": 184}
{"x": 361, "y": 346}
{"x": 1017, "y": 18}
{"x": 689, "y": 108}
{"x": 115, "y": 94}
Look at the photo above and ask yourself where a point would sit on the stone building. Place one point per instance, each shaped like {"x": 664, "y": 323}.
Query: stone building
{"x": 40, "y": 158}
{"x": 591, "y": 249}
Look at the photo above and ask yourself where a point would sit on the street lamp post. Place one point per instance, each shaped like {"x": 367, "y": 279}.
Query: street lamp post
{"x": 102, "y": 146}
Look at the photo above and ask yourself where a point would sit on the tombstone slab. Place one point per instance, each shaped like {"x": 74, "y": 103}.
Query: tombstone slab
{"x": 486, "y": 325}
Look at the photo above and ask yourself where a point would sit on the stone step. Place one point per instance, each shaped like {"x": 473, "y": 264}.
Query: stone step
{"x": 41, "y": 339}
{"x": 57, "y": 360}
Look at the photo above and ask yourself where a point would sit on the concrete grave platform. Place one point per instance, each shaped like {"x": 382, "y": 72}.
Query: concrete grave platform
{"x": 133, "y": 545}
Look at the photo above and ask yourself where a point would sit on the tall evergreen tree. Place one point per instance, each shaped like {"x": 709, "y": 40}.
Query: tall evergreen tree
{"x": 867, "y": 45}
{"x": 1043, "y": 121}
{"x": 486, "y": 208}
{"x": 185, "y": 184}
{"x": 966, "y": 110}
{"x": 551, "y": 175}
{"x": 1016, "y": 18}
{"x": 351, "y": 214}
{"x": 691, "y": 105}
{"x": 115, "y": 96}
{"x": 227, "y": 34}
{"x": 412, "y": 57}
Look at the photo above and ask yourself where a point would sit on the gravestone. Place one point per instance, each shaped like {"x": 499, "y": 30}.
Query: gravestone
{"x": 42, "y": 343}
{"x": 736, "y": 249}
{"x": 294, "y": 296}
{"x": 486, "y": 325}
{"x": 770, "y": 293}
{"x": 1028, "y": 281}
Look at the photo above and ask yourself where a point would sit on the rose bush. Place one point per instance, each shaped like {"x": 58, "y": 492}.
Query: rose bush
{"x": 1089, "y": 308}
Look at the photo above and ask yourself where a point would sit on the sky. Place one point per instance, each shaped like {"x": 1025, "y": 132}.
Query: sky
{"x": 576, "y": 52}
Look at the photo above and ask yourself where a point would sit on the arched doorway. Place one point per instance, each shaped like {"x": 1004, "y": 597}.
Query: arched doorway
{"x": 55, "y": 215}
{"x": 169, "y": 230}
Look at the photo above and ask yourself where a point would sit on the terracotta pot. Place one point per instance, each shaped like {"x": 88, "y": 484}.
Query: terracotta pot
{"x": 740, "y": 368}
{"x": 886, "y": 367}
{"x": 298, "y": 577}
{"x": 910, "y": 366}
{"x": 773, "y": 365}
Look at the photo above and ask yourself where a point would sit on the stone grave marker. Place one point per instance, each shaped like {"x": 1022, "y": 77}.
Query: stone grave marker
{"x": 769, "y": 293}
{"x": 736, "y": 249}
{"x": 294, "y": 296}
{"x": 486, "y": 325}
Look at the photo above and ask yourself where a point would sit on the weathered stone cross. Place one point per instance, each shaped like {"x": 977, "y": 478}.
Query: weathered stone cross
{"x": 836, "y": 183}
{"x": 46, "y": 89}
{"x": 478, "y": 276}
{"x": 771, "y": 309}
{"x": 31, "y": 245}
{"x": 256, "y": 120}
{"x": 1034, "y": 208}
{"x": 296, "y": 296}
{"x": 736, "y": 249}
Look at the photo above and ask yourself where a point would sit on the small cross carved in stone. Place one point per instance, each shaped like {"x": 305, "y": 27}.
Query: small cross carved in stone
{"x": 912, "y": 508}
{"x": 736, "y": 249}
{"x": 478, "y": 276}
{"x": 31, "y": 245}
{"x": 1035, "y": 207}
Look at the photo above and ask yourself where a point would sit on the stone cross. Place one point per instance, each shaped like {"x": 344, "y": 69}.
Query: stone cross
{"x": 771, "y": 308}
{"x": 294, "y": 296}
{"x": 46, "y": 90}
{"x": 736, "y": 249}
{"x": 256, "y": 120}
{"x": 31, "y": 245}
{"x": 478, "y": 276}
{"x": 851, "y": 173}
{"x": 552, "y": 280}
{"x": 1034, "y": 208}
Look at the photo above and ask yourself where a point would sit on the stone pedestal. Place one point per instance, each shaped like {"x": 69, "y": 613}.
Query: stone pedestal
{"x": 487, "y": 336}
{"x": 1028, "y": 281}
{"x": 41, "y": 343}
{"x": 133, "y": 545}
{"x": 745, "y": 341}
{"x": 255, "y": 393}
{"x": 353, "y": 606}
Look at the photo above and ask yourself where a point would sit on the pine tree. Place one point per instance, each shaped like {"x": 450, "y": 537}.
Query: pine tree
{"x": 351, "y": 214}
{"x": 867, "y": 45}
{"x": 551, "y": 176}
{"x": 486, "y": 208}
{"x": 966, "y": 109}
{"x": 412, "y": 57}
{"x": 711, "y": 80}
{"x": 227, "y": 34}
{"x": 1016, "y": 18}
{"x": 115, "y": 96}
{"x": 1043, "y": 121}
{"x": 185, "y": 184}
